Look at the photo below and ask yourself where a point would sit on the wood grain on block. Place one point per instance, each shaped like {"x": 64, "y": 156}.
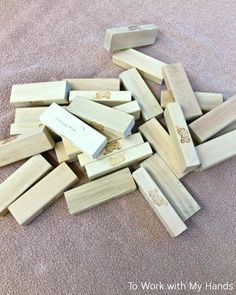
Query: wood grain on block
{"x": 159, "y": 203}
{"x": 161, "y": 142}
{"x": 133, "y": 82}
{"x": 42, "y": 194}
{"x": 181, "y": 138}
{"x": 79, "y": 133}
{"x": 38, "y": 94}
{"x": 130, "y": 37}
{"x": 132, "y": 108}
{"x": 217, "y": 150}
{"x": 23, "y": 146}
{"x": 99, "y": 191}
{"x": 61, "y": 153}
{"x": 177, "y": 82}
{"x": 214, "y": 121}
{"x": 207, "y": 101}
{"x": 95, "y": 84}
{"x": 21, "y": 180}
{"x": 21, "y": 128}
{"x": 70, "y": 149}
{"x": 112, "y": 148}
{"x": 108, "y": 98}
{"x": 119, "y": 160}
{"x": 108, "y": 119}
{"x": 172, "y": 188}
{"x": 147, "y": 66}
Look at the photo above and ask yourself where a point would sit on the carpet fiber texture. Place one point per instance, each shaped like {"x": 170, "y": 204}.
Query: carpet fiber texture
{"x": 102, "y": 250}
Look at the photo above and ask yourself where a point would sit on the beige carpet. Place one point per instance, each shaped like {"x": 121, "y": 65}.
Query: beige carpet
{"x": 100, "y": 251}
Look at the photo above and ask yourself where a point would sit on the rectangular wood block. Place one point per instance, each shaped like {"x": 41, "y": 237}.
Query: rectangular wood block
{"x": 112, "y": 148}
{"x": 177, "y": 82}
{"x": 130, "y": 37}
{"x": 132, "y": 108}
{"x": 181, "y": 139}
{"x": 99, "y": 191}
{"x": 21, "y": 180}
{"x": 70, "y": 149}
{"x": 95, "y": 84}
{"x": 147, "y": 66}
{"x": 217, "y": 150}
{"x": 214, "y": 121}
{"x": 159, "y": 203}
{"x": 119, "y": 160}
{"x": 23, "y": 146}
{"x": 42, "y": 194}
{"x": 102, "y": 117}
{"x": 133, "y": 82}
{"x": 108, "y": 98}
{"x": 37, "y": 94}
{"x": 172, "y": 188}
{"x": 227, "y": 129}
{"x": 161, "y": 142}
{"x": 207, "y": 100}
{"x": 21, "y": 128}
{"x": 79, "y": 133}
{"x": 61, "y": 153}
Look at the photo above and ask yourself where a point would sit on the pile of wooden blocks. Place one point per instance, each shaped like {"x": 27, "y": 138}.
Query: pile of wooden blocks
{"x": 92, "y": 121}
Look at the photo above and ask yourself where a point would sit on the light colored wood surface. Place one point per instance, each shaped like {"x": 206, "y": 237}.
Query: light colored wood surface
{"x": 42, "y": 194}
{"x": 158, "y": 202}
{"x": 132, "y": 108}
{"x": 147, "y": 66}
{"x": 21, "y": 180}
{"x": 61, "y": 153}
{"x": 160, "y": 141}
{"x": 227, "y": 129}
{"x": 172, "y": 188}
{"x": 20, "y": 147}
{"x": 38, "y": 94}
{"x": 214, "y": 121}
{"x": 217, "y": 150}
{"x": 108, "y": 98}
{"x": 130, "y": 37}
{"x": 119, "y": 160}
{"x": 207, "y": 100}
{"x": 112, "y": 148}
{"x": 102, "y": 117}
{"x": 21, "y": 128}
{"x": 181, "y": 138}
{"x": 133, "y": 82}
{"x": 99, "y": 191}
{"x": 70, "y": 149}
{"x": 177, "y": 82}
{"x": 79, "y": 133}
{"x": 95, "y": 84}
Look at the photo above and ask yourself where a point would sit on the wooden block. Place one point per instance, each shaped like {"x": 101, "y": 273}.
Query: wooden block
{"x": 70, "y": 149}
{"x": 159, "y": 203}
{"x": 20, "y": 147}
{"x": 61, "y": 153}
{"x": 79, "y": 133}
{"x": 42, "y": 194}
{"x": 217, "y": 150}
{"x": 21, "y": 128}
{"x": 227, "y": 129}
{"x": 38, "y": 94}
{"x": 132, "y": 81}
{"x": 106, "y": 118}
{"x": 214, "y": 121}
{"x": 181, "y": 138}
{"x": 147, "y": 66}
{"x": 171, "y": 187}
{"x": 130, "y": 37}
{"x": 108, "y": 98}
{"x": 112, "y": 148}
{"x": 132, "y": 108}
{"x": 161, "y": 142}
{"x": 21, "y": 180}
{"x": 119, "y": 160}
{"x": 207, "y": 101}
{"x": 95, "y": 84}
{"x": 177, "y": 82}
{"x": 99, "y": 191}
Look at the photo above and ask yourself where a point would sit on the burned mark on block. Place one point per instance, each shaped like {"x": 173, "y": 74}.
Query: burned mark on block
{"x": 184, "y": 135}
{"x": 117, "y": 159}
{"x": 97, "y": 126}
{"x": 110, "y": 147}
{"x": 156, "y": 198}
{"x": 7, "y": 140}
{"x": 103, "y": 95}
{"x": 133, "y": 28}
